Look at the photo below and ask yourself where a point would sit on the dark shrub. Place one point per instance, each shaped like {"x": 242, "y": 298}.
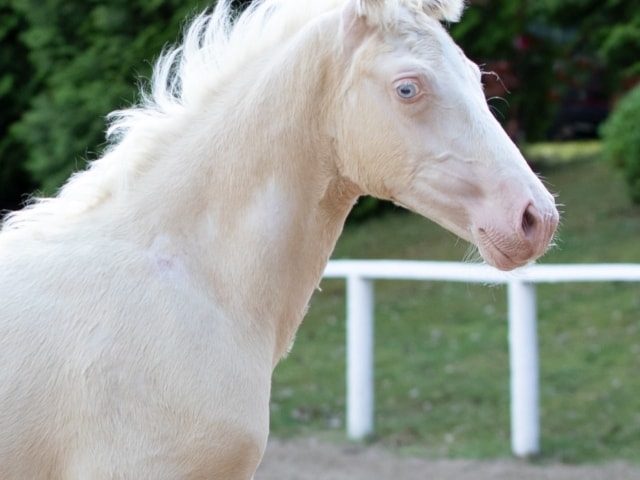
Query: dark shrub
{"x": 621, "y": 140}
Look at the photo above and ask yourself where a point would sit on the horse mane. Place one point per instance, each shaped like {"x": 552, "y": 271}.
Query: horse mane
{"x": 214, "y": 47}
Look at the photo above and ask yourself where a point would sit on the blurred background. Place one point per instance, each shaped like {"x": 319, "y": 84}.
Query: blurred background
{"x": 561, "y": 76}
{"x": 555, "y": 71}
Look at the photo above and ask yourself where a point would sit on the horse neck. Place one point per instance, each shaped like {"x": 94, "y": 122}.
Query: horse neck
{"x": 258, "y": 205}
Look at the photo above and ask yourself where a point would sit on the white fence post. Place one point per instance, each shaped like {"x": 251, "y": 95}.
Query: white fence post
{"x": 359, "y": 357}
{"x": 523, "y": 342}
{"x": 523, "y": 353}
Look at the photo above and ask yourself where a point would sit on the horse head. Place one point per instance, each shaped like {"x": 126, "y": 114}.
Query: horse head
{"x": 416, "y": 129}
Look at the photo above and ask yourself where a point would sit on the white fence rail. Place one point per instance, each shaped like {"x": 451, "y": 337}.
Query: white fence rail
{"x": 523, "y": 343}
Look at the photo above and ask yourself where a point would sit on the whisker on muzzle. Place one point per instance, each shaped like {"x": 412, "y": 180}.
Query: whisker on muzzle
{"x": 472, "y": 255}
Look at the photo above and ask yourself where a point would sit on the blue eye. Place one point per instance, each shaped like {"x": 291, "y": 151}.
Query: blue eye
{"x": 407, "y": 90}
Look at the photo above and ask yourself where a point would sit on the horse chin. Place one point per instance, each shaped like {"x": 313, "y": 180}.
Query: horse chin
{"x": 499, "y": 260}
{"x": 496, "y": 257}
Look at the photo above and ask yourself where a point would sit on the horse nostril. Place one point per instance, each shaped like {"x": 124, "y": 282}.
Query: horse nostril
{"x": 530, "y": 221}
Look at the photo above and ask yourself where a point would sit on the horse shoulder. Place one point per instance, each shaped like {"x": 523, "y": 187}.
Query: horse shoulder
{"x": 110, "y": 341}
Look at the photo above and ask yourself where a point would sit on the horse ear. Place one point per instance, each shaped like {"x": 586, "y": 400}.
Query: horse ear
{"x": 365, "y": 6}
{"x": 448, "y": 10}
{"x": 354, "y": 26}
{"x": 371, "y": 9}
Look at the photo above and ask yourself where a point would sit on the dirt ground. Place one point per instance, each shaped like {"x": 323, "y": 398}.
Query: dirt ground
{"x": 309, "y": 459}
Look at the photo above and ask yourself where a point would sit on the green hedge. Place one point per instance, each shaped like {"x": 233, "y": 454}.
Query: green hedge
{"x": 621, "y": 140}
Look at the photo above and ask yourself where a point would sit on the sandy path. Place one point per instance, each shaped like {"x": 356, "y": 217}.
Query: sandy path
{"x": 309, "y": 459}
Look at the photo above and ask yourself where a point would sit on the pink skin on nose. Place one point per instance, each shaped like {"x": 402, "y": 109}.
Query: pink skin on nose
{"x": 522, "y": 239}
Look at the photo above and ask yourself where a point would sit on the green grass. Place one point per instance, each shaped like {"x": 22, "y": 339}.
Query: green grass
{"x": 565, "y": 152}
{"x": 441, "y": 366}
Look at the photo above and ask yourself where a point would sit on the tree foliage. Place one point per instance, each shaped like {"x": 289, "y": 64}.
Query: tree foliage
{"x": 609, "y": 29}
{"x": 84, "y": 59}
{"x": 621, "y": 140}
{"x": 16, "y": 87}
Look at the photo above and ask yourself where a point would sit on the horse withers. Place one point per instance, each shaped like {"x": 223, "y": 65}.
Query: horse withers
{"x": 145, "y": 306}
